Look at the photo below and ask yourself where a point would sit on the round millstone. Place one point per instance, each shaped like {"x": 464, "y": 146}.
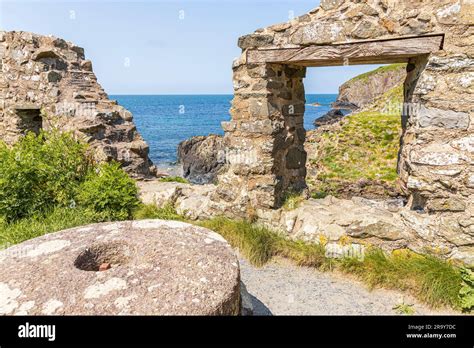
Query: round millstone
{"x": 148, "y": 267}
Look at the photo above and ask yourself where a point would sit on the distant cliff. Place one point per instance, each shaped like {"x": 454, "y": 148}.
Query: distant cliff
{"x": 364, "y": 89}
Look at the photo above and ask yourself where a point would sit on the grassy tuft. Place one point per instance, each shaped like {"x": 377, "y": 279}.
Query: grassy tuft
{"x": 431, "y": 280}
{"x": 255, "y": 243}
{"x": 151, "y": 211}
{"x": 55, "y": 220}
{"x": 292, "y": 200}
{"x": 404, "y": 309}
{"x": 302, "y": 253}
{"x": 259, "y": 244}
{"x": 174, "y": 179}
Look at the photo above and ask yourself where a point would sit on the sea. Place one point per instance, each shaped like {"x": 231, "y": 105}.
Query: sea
{"x": 166, "y": 120}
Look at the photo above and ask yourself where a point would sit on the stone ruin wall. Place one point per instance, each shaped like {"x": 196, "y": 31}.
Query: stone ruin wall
{"x": 46, "y": 82}
{"x": 265, "y": 135}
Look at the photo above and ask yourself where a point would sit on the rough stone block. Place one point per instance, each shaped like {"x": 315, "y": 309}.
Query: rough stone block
{"x": 431, "y": 117}
{"x": 255, "y": 40}
{"x": 54, "y": 76}
{"x": 464, "y": 144}
{"x": 436, "y": 158}
{"x": 317, "y": 33}
{"x": 330, "y": 4}
{"x": 446, "y": 204}
{"x": 470, "y": 181}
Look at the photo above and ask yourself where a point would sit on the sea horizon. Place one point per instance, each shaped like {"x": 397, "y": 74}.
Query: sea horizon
{"x": 165, "y": 120}
{"x": 193, "y": 94}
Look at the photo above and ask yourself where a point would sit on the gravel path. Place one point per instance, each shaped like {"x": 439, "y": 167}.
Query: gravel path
{"x": 281, "y": 288}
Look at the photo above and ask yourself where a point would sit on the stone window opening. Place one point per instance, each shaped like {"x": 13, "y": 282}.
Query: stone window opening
{"x": 354, "y": 150}
{"x": 268, "y": 117}
{"x": 30, "y": 120}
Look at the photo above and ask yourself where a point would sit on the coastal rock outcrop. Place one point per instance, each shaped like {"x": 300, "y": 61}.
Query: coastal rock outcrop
{"x": 201, "y": 157}
{"x": 46, "y": 82}
{"x": 364, "y": 89}
{"x": 333, "y": 116}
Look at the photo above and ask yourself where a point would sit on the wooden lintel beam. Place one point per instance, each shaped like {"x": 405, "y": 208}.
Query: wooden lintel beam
{"x": 371, "y": 52}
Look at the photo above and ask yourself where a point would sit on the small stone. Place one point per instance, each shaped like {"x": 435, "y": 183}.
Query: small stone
{"x": 255, "y": 40}
{"x": 104, "y": 267}
{"x": 366, "y": 29}
{"x": 446, "y": 204}
{"x": 86, "y": 65}
{"x": 388, "y": 24}
{"x": 54, "y": 76}
{"x": 330, "y": 4}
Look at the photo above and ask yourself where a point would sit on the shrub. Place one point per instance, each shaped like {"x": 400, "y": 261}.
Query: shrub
{"x": 466, "y": 293}
{"x": 40, "y": 172}
{"x": 108, "y": 193}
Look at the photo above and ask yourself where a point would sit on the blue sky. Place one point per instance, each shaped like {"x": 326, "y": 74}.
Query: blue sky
{"x": 164, "y": 47}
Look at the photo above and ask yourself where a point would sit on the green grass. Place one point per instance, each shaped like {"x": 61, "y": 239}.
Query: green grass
{"x": 55, "y": 220}
{"x": 405, "y": 309}
{"x": 428, "y": 278}
{"x": 151, "y": 211}
{"x": 364, "y": 147}
{"x": 292, "y": 200}
{"x": 174, "y": 179}
{"x": 259, "y": 244}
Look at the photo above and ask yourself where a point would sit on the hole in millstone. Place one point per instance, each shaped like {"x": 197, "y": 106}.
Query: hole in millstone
{"x": 103, "y": 256}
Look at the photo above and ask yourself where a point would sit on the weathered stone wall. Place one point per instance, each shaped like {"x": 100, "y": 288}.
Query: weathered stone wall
{"x": 437, "y": 154}
{"x": 46, "y": 82}
{"x": 264, "y": 140}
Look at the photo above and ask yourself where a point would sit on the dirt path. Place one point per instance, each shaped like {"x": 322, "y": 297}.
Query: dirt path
{"x": 281, "y": 288}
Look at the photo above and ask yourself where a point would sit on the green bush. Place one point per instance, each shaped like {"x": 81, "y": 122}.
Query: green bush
{"x": 40, "y": 172}
{"x": 108, "y": 193}
{"x": 52, "y": 170}
{"x": 466, "y": 293}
